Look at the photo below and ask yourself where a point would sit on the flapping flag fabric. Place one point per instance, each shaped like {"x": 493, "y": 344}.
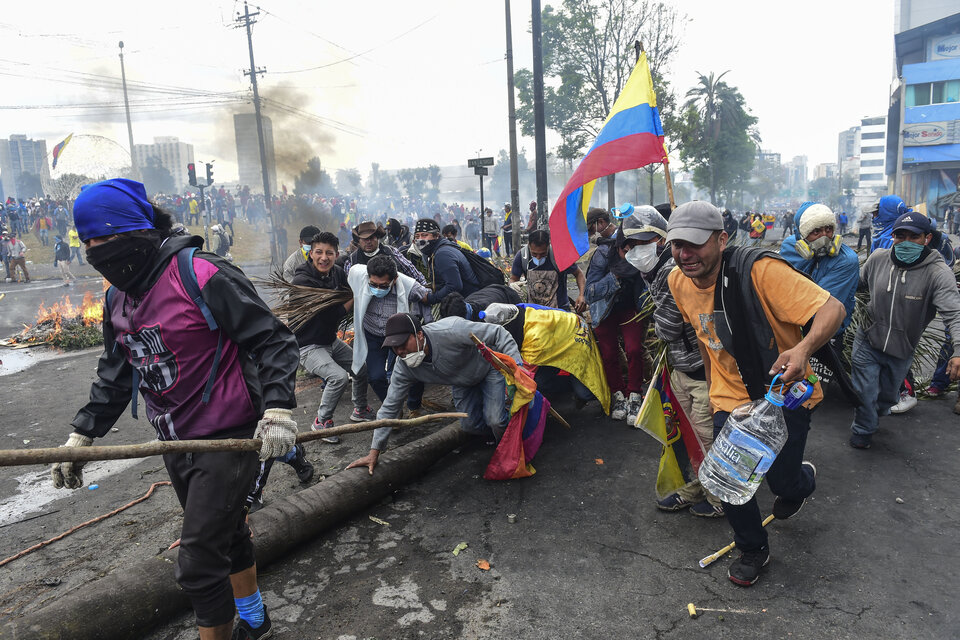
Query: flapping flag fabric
{"x": 58, "y": 150}
{"x": 631, "y": 137}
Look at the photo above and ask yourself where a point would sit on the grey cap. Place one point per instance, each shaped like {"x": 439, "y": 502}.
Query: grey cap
{"x": 645, "y": 223}
{"x": 694, "y": 222}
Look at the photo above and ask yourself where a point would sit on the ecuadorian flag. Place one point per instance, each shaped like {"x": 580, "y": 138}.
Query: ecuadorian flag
{"x": 58, "y": 150}
{"x": 632, "y": 137}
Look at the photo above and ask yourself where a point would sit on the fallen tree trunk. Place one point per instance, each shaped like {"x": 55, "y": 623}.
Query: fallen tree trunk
{"x": 15, "y": 457}
{"x": 127, "y": 603}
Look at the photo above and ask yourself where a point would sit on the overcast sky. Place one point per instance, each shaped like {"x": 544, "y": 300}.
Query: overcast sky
{"x": 404, "y": 83}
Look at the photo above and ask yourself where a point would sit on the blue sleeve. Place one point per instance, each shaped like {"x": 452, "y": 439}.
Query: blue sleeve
{"x": 517, "y": 269}
{"x": 445, "y": 262}
{"x": 841, "y": 278}
{"x": 788, "y": 249}
{"x": 601, "y": 284}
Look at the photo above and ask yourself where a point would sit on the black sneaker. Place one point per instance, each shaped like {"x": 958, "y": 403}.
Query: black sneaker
{"x": 706, "y": 510}
{"x": 783, "y": 508}
{"x": 673, "y": 502}
{"x": 745, "y": 570}
{"x": 299, "y": 463}
{"x": 862, "y": 441}
{"x": 243, "y": 631}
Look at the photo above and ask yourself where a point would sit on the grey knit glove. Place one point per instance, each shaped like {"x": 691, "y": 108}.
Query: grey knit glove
{"x": 70, "y": 474}
{"x": 278, "y": 431}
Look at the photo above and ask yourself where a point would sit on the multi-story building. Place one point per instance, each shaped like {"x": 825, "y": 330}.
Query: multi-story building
{"x": 872, "y": 179}
{"x": 927, "y": 42}
{"x": 796, "y": 176}
{"x": 248, "y": 152}
{"x": 174, "y": 156}
{"x": 825, "y": 170}
{"x": 19, "y": 155}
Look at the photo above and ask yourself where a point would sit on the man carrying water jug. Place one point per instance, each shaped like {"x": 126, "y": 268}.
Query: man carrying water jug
{"x": 748, "y": 307}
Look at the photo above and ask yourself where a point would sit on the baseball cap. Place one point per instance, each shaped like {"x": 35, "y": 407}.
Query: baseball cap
{"x": 913, "y": 221}
{"x": 694, "y": 222}
{"x": 400, "y": 326}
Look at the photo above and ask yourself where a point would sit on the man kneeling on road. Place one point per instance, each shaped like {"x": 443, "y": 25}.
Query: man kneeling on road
{"x": 747, "y": 331}
{"x": 443, "y": 353}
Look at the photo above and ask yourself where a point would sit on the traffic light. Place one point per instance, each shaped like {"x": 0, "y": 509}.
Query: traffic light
{"x": 192, "y": 174}
{"x": 209, "y": 173}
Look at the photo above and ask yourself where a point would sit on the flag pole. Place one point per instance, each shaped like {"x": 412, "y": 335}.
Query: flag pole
{"x": 638, "y": 47}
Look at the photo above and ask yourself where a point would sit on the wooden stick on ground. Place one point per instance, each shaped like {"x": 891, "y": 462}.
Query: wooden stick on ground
{"x": 502, "y": 368}
{"x": 713, "y": 557}
{"x": 14, "y": 457}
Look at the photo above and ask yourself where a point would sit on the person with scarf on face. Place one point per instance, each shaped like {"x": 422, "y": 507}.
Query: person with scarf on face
{"x": 616, "y": 293}
{"x": 322, "y": 353}
{"x": 449, "y": 270}
{"x": 443, "y": 353}
{"x": 229, "y": 375}
{"x": 908, "y": 284}
{"x": 398, "y": 235}
{"x": 368, "y": 237}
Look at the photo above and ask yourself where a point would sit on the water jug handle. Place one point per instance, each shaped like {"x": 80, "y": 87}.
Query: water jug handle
{"x": 774, "y": 381}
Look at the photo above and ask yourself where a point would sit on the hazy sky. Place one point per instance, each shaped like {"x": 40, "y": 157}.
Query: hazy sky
{"x": 404, "y": 83}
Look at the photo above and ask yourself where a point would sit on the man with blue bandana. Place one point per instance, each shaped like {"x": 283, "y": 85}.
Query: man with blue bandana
{"x": 908, "y": 283}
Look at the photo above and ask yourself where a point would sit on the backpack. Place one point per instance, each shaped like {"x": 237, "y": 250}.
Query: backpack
{"x": 189, "y": 278}
{"x": 485, "y": 272}
{"x": 225, "y": 243}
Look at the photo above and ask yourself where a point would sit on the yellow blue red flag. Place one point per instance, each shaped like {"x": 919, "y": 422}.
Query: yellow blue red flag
{"x": 631, "y": 137}
{"x": 58, "y": 150}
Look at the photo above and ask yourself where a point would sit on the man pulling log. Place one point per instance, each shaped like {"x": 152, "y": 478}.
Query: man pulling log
{"x": 189, "y": 332}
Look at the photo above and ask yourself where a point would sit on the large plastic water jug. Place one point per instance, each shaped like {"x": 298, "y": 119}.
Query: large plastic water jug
{"x": 746, "y": 448}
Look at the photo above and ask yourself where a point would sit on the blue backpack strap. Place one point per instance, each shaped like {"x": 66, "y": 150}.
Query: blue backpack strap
{"x": 188, "y": 276}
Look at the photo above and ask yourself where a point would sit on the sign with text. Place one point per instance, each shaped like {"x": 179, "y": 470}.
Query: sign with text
{"x": 480, "y": 171}
{"x": 924, "y": 133}
{"x": 473, "y": 163}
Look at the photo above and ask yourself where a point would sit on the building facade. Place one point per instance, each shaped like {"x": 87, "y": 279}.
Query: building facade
{"x": 928, "y": 97}
{"x": 19, "y": 155}
{"x": 248, "y": 152}
{"x": 174, "y": 156}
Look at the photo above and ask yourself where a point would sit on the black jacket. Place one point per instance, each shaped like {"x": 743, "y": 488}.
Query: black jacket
{"x": 321, "y": 329}
{"x": 449, "y": 271}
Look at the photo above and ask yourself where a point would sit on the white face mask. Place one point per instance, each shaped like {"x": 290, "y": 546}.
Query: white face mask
{"x": 821, "y": 246}
{"x": 414, "y": 359}
{"x": 643, "y": 256}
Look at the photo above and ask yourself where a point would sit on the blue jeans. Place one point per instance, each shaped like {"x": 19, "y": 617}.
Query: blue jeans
{"x": 485, "y": 405}
{"x": 940, "y": 378}
{"x": 876, "y": 377}
{"x": 380, "y": 361}
{"x": 786, "y": 478}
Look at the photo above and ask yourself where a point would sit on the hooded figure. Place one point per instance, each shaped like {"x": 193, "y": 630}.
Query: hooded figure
{"x": 827, "y": 260}
{"x": 889, "y": 209}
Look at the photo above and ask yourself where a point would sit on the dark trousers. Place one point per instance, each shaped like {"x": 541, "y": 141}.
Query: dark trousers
{"x": 786, "y": 478}
{"x": 864, "y": 233}
{"x": 215, "y": 540}
{"x": 380, "y": 361}
{"x": 608, "y": 334}
{"x": 508, "y": 243}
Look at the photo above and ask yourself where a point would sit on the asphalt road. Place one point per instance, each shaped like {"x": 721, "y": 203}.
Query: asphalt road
{"x": 872, "y": 555}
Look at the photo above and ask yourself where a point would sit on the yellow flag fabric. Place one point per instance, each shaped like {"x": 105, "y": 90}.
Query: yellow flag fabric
{"x": 653, "y": 419}
{"x": 561, "y": 339}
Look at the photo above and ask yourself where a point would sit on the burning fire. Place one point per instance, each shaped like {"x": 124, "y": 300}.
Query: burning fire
{"x": 54, "y": 323}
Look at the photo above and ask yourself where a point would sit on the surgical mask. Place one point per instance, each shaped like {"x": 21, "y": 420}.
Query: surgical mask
{"x": 643, "y": 257}
{"x": 305, "y": 247}
{"x": 537, "y": 261}
{"x": 908, "y": 252}
{"x": 377, "y": 292}
{"x": 821, "y": 246}
{"x": 415, "y": 359}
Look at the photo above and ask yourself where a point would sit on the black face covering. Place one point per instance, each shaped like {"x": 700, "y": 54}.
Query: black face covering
{"x": 124, "y": 261}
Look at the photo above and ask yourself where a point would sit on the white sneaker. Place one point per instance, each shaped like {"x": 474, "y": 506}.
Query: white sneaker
{"x": 906, "y": 403}
{"x": 618, "y": 406}
{"x": 633, "y": 408}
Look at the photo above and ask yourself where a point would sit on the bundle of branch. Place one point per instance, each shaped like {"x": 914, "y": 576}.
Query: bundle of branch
{"x": 298, "y": 303}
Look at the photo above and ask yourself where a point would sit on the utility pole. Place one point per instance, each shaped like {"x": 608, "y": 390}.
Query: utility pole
{"x": 539, "y": 125}
{"x": 898, "y": 180}
{"x": 126, "y": 105}
{"x": 512, "y": 121}
{"x": 247, "y": 21}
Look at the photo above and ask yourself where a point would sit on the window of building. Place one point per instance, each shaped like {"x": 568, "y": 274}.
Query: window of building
{"x": 877, "y": 135}
{"x": 871, "y": 150}
{"x": 866, "y": 122}
{"x": 871, "y": 163}
{"x": 926, "y": 93}
{"x": 870, "y": 177}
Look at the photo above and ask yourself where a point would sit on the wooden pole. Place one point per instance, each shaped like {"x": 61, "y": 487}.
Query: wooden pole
{"x": 638, "y": 47}
{"x": 13, "y": 457}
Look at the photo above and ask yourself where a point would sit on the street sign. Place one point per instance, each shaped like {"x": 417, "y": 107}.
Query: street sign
{"x": 480, "y": 171}
{"x": 473, "y": 163}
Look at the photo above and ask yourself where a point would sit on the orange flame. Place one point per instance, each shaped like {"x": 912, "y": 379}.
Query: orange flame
{"x": 90, "y": 312}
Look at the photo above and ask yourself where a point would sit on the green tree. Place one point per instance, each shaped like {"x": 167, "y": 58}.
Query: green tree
{"x": 588, "y": 52}
{"x": 767, "y": 180}
{"x": 388, "y": 185}
{"x": 348, "y": 181}
{"x": 718, "y": 136}
{"x": 414, "y": 181}
{"x": 156, "y": 177}
{"x": 434, "y": 177}
{"x": 313, "y": 180}
{"x": 29, "y": 185}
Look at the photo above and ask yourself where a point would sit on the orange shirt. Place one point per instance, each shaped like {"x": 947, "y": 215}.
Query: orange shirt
{"x": 789, "y": 300}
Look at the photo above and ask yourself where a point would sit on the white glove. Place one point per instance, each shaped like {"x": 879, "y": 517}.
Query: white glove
{"x": 70, "y": 474}
{"x": 278, "y": 432}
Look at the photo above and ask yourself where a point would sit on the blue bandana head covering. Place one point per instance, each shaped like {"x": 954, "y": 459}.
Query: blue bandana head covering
{"x": 110, "y": 207}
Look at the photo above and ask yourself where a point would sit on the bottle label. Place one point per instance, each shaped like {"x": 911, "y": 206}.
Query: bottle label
{"x": 743, "y": 456}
